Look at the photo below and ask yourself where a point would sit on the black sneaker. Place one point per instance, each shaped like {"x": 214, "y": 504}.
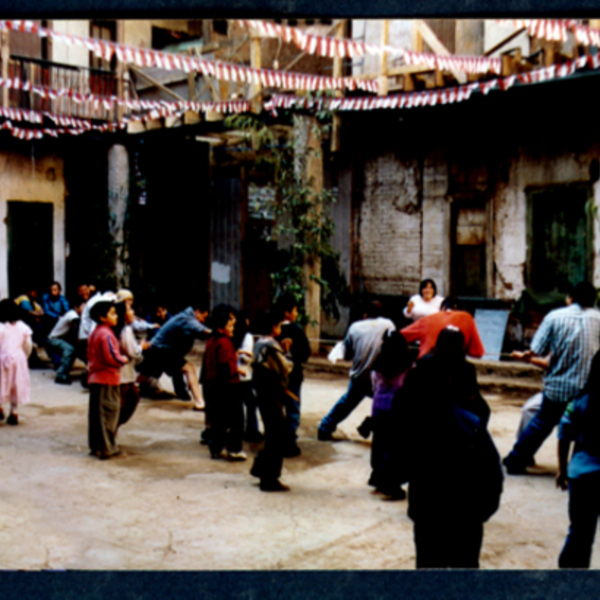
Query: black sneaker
{"x": 62, "y": 380}
{"x": 324, "y": 436}
{"x": 292, "y": 451}
{"x": 514, "y": 466}
{"x": 273, "y": 486}
{"x": 365, "y": 428}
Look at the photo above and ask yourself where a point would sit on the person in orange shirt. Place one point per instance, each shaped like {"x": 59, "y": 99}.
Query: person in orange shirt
{"x": 427, "y": 329}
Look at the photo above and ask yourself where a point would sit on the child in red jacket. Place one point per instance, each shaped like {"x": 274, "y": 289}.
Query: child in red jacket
{"x": 221, "y": 380}
{"x": 104, "y": 378}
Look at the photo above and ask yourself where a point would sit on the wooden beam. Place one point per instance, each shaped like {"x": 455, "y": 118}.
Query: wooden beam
{"x": 416, "y": 38}
{"x": 434, "y": 43}
{"x": 383, "y": 66}
{"x": 340, "y": 32}
{"x": 120, "y": 70}
{"x": 256, "y": 63}
{"x": 157, "y": 84}
{"x": 5, "y": 57}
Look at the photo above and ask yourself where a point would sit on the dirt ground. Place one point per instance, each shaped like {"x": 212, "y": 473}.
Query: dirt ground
{"x": 169, "y": 506}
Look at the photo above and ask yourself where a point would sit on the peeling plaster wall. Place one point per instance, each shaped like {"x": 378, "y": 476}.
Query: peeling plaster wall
{"x": 533, "y": 166}
{"x": 40, "y": 179}
{"x": 390, "y": 226}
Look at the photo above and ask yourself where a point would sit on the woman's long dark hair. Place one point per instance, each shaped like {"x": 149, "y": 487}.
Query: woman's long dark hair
{"x": 394, "y": 357}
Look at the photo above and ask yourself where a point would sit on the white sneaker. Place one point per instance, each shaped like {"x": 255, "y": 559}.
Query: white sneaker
{"x": 236, "y": 456}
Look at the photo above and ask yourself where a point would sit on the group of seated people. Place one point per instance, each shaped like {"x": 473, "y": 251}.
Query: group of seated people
{"x": 62, "y": 327}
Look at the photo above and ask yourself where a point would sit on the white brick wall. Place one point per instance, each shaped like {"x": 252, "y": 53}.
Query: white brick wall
{"x": 390, "y": 226}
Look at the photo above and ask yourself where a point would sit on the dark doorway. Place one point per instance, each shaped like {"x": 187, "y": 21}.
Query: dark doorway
{"x": 30, "y": 246}
{"x": 559, "y": 237}
{"x": 469, "y": 246}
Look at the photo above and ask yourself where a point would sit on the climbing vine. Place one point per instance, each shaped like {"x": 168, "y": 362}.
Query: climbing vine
{"x": 303, "y": 222}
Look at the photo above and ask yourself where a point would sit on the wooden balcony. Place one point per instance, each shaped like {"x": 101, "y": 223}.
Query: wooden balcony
{"x": 57, "y": 76}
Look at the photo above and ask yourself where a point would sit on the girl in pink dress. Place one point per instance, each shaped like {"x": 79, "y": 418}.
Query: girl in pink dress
{"x": 15, "y": 347}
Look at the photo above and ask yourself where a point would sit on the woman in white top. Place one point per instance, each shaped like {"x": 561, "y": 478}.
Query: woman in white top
{"x": 425, "y": 303}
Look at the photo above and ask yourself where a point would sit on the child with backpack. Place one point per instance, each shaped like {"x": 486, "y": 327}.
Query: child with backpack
{"x": 271, "y": 370}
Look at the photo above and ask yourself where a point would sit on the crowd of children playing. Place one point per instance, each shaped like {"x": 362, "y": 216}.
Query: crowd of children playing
{"x": 429, "y": 421}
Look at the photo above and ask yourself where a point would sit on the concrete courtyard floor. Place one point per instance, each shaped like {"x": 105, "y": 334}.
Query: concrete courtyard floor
{"x": 169, "y": 506}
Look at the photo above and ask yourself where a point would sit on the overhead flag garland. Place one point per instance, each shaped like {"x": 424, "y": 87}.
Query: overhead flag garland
{"x": 449, "y": 95}
{"x": 556, "y": 30}
{"x": 219, "y": 70}
{"x": 345, "y": 48}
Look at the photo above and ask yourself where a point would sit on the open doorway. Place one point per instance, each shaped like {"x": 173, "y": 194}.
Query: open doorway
{"x": 30, "y": 245}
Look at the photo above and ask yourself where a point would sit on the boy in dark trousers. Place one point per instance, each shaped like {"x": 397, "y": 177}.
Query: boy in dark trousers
{"x": 270, "y": 378}
{"x": 293, "y": 340}
{"x": 104, "y": 378}
{"x": 221, "y": 382}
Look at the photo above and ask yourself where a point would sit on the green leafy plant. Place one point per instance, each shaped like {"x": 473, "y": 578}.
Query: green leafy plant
{"x": 303, "y": 222}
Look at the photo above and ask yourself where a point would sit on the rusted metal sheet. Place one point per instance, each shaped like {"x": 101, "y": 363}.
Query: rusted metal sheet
{"x": 226, "y": 223}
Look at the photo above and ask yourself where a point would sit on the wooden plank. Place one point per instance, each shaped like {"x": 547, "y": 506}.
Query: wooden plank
{"x": 5, "y": 57}
{"x": 434, "y": 43}
{"x": 416, "y": 38}
{"x": 153, "y": 81}
{"x": 383, "y": 66}
{"x": 256, "y": 63}
{"x": 340, "y": 32}
{"x": 120, "y": 71}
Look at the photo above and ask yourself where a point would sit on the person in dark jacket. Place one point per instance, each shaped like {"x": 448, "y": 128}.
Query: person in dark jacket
{"x": 447, "y": 456}
{"x": 221, "y": 383}
{"x": 168, "y": 350}
{"x": 293, "y": 340}
{"x": 270, "y": 374}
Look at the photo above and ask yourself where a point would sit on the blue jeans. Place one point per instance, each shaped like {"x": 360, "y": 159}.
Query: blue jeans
{"x": 358, "y": 389}
{"x": 66, "y": 353}
{"x": 584, "y": 509}
{"x": 292, "y": 412}
{"x": 538, "y": 429}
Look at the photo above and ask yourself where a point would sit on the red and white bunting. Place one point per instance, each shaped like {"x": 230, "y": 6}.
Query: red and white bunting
{"x": 556, "y": 30}
{"x": 219, "y": 70}
{"x": 433, "y": 97}
{"x": 330, "y": 47}
{"x": 109, "y": 102}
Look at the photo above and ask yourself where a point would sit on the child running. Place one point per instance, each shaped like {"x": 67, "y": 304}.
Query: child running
{"x": 271, "y": 370}
{"x": 15, "y": 348}
{"x": 104, "y": 377}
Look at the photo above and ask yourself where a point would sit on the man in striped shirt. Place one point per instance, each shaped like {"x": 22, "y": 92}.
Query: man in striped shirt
{"x": 571, "y": 336}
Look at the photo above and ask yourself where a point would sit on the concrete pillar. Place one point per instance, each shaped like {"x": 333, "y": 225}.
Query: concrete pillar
{"x": 118, "y": 196}
{"x": 307, "y": 138}
{"x": 435, "y": 239}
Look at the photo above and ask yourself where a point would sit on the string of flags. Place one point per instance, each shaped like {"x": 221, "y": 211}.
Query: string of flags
{"x": 448, "y": 95}
{"x": 556, "y": 30}
{"x": 224, "y": 71}
{"x": 345, "y": 48}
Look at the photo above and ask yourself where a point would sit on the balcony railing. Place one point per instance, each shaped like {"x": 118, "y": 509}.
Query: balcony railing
{"x": 81, "y": 80}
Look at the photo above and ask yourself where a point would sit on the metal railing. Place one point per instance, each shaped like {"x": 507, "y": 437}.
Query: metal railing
{"x": 82, "y": 80}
